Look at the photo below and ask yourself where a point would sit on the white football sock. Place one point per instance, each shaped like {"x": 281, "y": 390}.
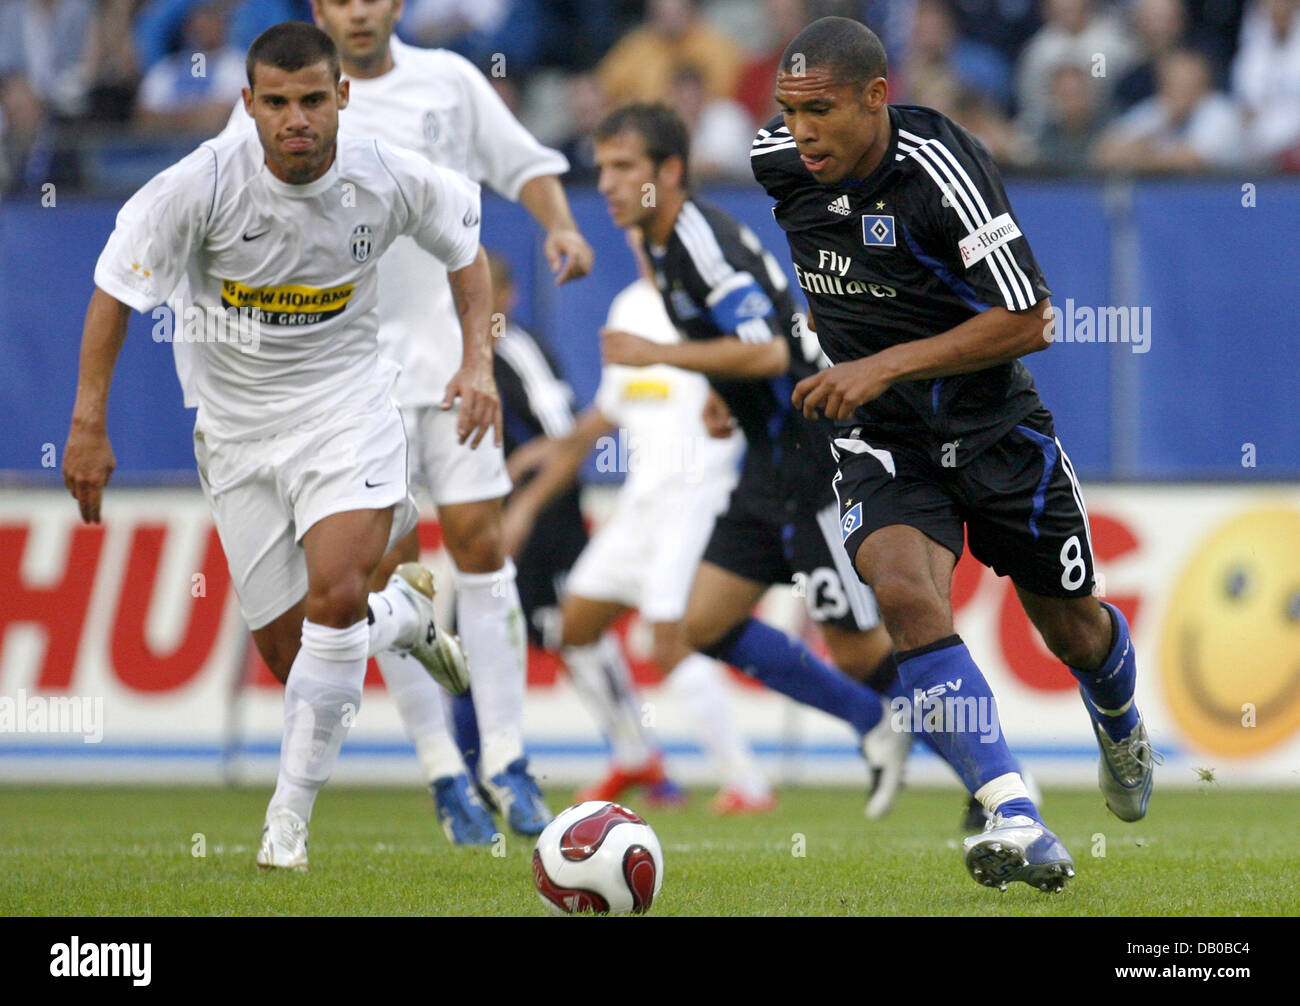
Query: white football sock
{"x": 491, "y": 625}
{"x": 393, "y": 620}
{"x": 699, "y": 683}
{"x": 421, "y": 702}
{"x": 604, "y": 681}
{"x": 994, "y": 793}
{"x": 321, "y": 701}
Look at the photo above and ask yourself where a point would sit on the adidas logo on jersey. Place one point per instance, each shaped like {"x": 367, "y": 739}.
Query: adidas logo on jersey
{"x": 841, "y": 206}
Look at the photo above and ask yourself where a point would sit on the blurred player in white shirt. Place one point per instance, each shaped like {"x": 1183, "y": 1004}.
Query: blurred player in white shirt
{"x": 274, "y": 239}
{"x": 436, "y": 104}
{"x": 680, "y": 475}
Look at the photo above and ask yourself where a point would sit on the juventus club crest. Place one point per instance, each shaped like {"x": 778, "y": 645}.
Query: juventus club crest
{"x": 363, "y": 240}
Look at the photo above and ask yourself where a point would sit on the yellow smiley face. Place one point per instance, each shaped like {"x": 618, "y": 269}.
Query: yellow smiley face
{"x": 1231, "y": 648}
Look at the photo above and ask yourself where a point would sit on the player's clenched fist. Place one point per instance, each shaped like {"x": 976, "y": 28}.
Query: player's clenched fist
{"x": 840, "y": 389}
{"x": 88, "y": 462}
{"x": 480, "y": 404}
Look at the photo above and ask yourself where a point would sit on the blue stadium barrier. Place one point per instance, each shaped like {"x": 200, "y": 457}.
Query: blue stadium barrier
{"x": 1216, "y": 373}
{"x": 1223, "y": 283}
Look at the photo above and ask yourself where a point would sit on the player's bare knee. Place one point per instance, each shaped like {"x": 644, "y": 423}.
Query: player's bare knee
{"x": 580, "y": 624}
{"x": 912, "y": 611}
{"x": 1076, "y": 630}
{"x": 277, "y": 653}
{"x": 859, "y": 654}
{"x": 339, "y": 603}
{"x": 699, "y": 631}
{"x": 669, "y": 648}
{"x": 1076, "y": 643}
{"x": 480, "y": 550}
{"x": 279, "y": 665}
{"x": 574, "y": 633}
{"x": 902, "y": 595}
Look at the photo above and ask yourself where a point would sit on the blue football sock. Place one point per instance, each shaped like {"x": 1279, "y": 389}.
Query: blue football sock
{"x": 1021, "y": 805}
{"x": 954, "y": 707}
{"x": 898, "y": 690}
{"x": 787, "y": 666}
{"x": 1009, "y": 807}
{"x": 1108, "y": 691}
{"x": 465, "y": 721}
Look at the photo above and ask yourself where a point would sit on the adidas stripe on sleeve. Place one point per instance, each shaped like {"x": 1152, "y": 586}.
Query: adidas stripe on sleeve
{"x": 537, "y": 393}
{"x": 972, "y": 226}
{"x": 735, "y": 300}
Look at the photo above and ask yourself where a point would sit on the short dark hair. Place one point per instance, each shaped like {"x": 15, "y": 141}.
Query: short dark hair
{"x": 290, "y": 46}
{"x": 661, "y": 129}
{"x": 849, "y": 49}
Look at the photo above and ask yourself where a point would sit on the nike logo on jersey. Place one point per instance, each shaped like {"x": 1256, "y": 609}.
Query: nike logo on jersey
{"x": 841, "y": 206}
{"x": 254, "y": 237}
{"x": 470, "y": 218}
{"x": 374, "y": 485}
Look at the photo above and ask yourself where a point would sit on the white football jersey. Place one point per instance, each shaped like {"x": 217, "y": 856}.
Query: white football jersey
{"x": 659, "y": 409}
{"x": 437, "y": 104}
{"x": 273, "y": 285}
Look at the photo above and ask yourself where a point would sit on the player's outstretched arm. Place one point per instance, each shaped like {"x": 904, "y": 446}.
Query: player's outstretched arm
{"x": 473, "y": 383}
{"x": 984, "y": 340}
{"x": 557, "y": 473}
{"x": 567, "y": 251}
{"x": 727, "y": 357}
{"x": 88, "y": 460}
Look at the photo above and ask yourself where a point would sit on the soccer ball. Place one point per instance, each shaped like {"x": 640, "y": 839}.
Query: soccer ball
{"x": 598, "y": 857}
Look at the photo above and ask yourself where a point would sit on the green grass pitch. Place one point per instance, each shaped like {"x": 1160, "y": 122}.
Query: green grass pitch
{"x": 132, "y": 851}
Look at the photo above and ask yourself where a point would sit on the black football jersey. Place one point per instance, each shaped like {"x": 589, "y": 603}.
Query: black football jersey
{"x": 716, "y": 280}
{"x": 535, "y": 401}
{"x": 925, "y": 242}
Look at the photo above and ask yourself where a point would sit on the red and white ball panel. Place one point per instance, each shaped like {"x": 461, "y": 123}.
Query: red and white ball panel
{"x": 598, "y": 857}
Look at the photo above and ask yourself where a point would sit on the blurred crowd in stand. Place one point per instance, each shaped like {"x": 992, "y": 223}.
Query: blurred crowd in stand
{"x": 90, "y": 88}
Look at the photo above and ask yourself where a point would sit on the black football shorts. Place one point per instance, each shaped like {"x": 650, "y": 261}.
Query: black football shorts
{"x": 1018, "y": 499}
{"x": 558, "y": 538}
{"x": 760, "y": 540}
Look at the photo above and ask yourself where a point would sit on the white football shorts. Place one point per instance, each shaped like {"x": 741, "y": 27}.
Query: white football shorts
{"x": 265, "y": 494}
{"x": 645, "y": 556}
{"x": 448, "y": 471}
